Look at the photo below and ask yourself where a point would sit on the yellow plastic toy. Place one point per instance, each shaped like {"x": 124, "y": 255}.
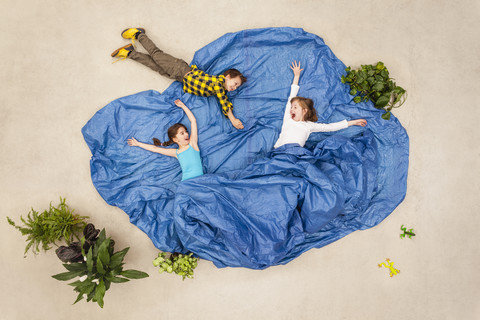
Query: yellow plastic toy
{"x": 389, "y": 265}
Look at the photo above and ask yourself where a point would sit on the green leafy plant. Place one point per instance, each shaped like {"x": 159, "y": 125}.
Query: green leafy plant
{"x": 373, "y": 82}
{"x": 181, "y": 264}
{"x": 50, "y": 226}
{"x": 99, "y": 268}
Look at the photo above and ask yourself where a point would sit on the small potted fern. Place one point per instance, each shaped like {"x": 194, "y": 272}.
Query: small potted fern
{"x": 58, "y": 223}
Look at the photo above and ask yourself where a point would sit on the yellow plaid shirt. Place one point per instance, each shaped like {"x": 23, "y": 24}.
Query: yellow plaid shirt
{"x": 199, "y": 83}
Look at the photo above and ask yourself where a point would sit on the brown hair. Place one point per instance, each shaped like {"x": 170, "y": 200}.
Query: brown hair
{"x": 172, "y": 132}
{"x": 307, "y": 104}
{"x": 233, "y": 73}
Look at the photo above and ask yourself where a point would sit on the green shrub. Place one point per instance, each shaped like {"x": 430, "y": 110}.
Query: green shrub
{"x": 181, "y": 264}
{"x": 52, "y": 225}
{"x": 373, "y": 82}
{"x": 101, "y": 267}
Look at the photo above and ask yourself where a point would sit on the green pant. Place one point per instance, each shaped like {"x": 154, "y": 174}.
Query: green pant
{"x": 160, "y": 61}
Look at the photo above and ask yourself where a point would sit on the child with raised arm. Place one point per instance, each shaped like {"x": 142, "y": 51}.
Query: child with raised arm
{"x": 300, "y": 117}
{"x": 188, "y": 153}
{"x": 194, "y": 81}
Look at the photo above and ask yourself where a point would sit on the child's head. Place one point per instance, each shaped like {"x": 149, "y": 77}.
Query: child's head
{"x": 233, "y": 79}
{"x": 177, "y": 133}
{"x": 302, "y": 109}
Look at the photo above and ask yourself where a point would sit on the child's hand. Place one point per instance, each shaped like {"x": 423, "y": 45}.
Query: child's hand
{"x": 358, "y": 122}
{"x": 132, "y": 142}
{"x": 296, "y": 68}
{"x": 180, "y": 104}
{"x": 237, "y": 123}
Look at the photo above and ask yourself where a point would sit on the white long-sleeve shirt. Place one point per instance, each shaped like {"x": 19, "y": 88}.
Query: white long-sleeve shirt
{"x": 299, "y": 131}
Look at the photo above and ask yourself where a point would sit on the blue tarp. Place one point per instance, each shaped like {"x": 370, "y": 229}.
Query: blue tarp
{"x": 256, "y": 207}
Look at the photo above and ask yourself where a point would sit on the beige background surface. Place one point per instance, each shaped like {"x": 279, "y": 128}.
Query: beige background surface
{"x": 56, "y": 72}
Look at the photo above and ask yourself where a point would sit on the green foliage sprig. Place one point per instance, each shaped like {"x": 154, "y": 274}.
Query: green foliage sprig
{"x": 373, "y": 82}
{"x": 100, "y": 268}
{"x": 50, "y": 226}
{"x": 181, "y": 264}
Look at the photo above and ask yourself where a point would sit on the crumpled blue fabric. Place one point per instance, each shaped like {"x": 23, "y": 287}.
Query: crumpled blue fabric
{"x": 256, "y": 207}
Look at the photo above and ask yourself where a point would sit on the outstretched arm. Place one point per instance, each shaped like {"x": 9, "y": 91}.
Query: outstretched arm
{"x": 227, "y": 107}
{"x": 296, "y": 72}
{"x": 294, "y": 88}
{"x": 193, "y": 123}
{"x": 357, "y": 122}
{"x": 235, "y": 121}
{"x": 150, "y": 147}
{"x": 328, "y": 127}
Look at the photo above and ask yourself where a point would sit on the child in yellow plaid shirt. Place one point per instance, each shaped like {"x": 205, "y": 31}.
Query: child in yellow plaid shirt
{"x": 194, "y": 80}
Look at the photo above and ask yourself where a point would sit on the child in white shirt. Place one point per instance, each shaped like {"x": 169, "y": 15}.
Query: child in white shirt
{"x": 300, "y": 117}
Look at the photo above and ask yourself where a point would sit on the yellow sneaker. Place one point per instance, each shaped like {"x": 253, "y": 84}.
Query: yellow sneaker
{"x": 123, "y": 52}
{"x": 132, "y": 33}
